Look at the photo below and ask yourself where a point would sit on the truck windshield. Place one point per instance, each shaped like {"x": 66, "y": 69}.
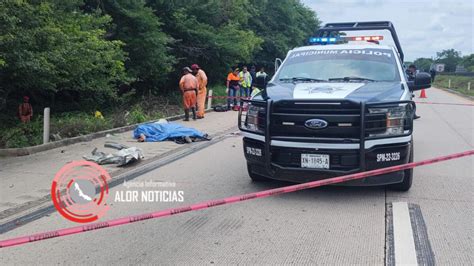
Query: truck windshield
{"x": 340, "y": 65}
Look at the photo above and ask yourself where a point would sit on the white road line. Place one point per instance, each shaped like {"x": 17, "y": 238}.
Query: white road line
{"x": 404, "y": 243}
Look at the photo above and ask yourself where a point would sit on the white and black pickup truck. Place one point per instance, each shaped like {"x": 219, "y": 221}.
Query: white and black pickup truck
{"x": 338, "y": 106}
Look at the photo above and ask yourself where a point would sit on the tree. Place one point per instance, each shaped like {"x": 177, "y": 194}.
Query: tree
{"x": 149, "y": 59}
{"x": 50, "y": 46}
{"x": 219, "y": 34}
{"x": 468, "y": 62}
{"x": 423, "y": 64}
{"x": 283, "y": 25}
{"x": 450, "y": 58}
{"x": 212, "y": 33}
{"x": 86, "y": 48}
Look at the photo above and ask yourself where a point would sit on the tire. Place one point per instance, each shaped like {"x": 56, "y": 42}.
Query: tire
{"x": 255, "y": 177}
{"x": 405, "y": 185}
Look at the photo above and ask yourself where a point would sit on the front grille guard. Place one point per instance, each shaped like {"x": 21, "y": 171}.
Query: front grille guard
{"x": 363, "y": 107}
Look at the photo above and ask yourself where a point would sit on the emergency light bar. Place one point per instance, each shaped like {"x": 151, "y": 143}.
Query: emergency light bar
{"x": 364, "y": 38}
{"x": 315, "y": 40}
{"x": 333, "y": 40}
{"x": 334, "y": 28}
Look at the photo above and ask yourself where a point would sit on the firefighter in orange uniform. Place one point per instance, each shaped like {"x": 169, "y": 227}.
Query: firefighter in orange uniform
{"x": 25, "y": 110}
{"x": 202, "y": 91}
{"x": 189, "y": 85}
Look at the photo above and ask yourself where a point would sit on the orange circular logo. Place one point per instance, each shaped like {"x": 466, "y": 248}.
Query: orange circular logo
{"x": 80, "y": 190}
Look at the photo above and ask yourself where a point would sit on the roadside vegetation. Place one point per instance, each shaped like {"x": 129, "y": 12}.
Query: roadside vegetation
{"x": 76, "y": 123}
{"x": 124, "y": 58}
{"x": 458, "y": 83}
{"x": 450, "y": 58}
{"x": 453, "y": 61}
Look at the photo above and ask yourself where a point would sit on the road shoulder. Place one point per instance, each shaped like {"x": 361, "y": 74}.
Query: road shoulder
{"x": 26, "y": 180}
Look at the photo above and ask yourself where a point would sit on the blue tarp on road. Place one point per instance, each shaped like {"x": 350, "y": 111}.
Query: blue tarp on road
{"x": 165, "y": 131}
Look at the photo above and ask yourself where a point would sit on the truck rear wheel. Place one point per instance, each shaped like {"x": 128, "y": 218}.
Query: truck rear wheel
{"x": 255, "y": 177}
{"x": 405, "y": 185}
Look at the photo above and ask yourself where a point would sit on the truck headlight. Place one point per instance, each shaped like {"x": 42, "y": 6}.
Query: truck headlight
{"x": 255, "y": 119}
{"x": 395, "y": 120}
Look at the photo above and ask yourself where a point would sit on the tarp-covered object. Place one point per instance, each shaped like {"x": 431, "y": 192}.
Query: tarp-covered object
{"x": 166, "y": 131}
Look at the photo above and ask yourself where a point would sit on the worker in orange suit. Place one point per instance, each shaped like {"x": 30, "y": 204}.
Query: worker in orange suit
{"x": 189, "y": 86}
{"x": 202, "y": 91}
{"x": 25, "y": 110}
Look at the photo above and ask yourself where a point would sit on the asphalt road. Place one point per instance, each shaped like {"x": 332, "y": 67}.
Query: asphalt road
{"x": 330, "y": 225}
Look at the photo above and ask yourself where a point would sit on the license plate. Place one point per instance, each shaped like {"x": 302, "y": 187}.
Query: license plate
{"x": 317, "y": 161}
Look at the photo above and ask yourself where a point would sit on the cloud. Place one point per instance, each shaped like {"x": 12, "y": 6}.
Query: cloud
{"x": 423, "y": 27}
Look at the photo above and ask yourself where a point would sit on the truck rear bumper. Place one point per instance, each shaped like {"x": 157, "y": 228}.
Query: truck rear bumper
{"x": 285, "y": 162}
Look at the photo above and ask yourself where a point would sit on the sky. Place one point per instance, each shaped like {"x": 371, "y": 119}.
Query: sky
{"x": 424, "y": 27}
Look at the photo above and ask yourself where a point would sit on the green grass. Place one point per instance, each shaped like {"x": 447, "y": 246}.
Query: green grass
{"x": 75, "y": 124}
{"x": 14, "y": 134}
{"x": 65, "y": 125}
{"x": 72, "y": 124}
{"x": 218, "y": 91}
{"x": 22, "y": 135}
{"x": 458, "y": 83}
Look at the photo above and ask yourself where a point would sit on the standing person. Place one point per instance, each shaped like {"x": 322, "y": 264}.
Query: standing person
{"x": 411, "y": 72}
{"x": 232, "y": 87}
{"x": 261, "y": 77}
{"x": 245, "y": 82}
{"x": 433, "y": 74}
{"x": 202, "y": 91}
{"x": 189, "y": 85}
{"x": 25, "y": 110}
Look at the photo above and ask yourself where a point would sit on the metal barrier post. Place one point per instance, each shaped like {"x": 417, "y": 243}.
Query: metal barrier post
{"x": 46, "y": 125}
{"x": 209, "y": 100}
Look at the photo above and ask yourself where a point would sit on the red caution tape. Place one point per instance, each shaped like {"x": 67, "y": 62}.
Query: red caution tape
{"x": 462, "y": 104}
{"x": 227, "y": 97}
{"x": 239, "y": 97}
{"x": 213, "y": 203}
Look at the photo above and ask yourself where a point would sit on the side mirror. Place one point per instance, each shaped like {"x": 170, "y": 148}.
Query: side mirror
{"x": 422, "y": 81}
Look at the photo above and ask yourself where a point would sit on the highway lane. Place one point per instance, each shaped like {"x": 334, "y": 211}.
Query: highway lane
{"x": 331, "y": 225}
{"x": 444, "y": 191}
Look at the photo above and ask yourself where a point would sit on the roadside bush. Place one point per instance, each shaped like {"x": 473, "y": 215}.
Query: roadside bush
{"x": 218, "y": 90}
{"x": 75, "y": 124}
{"x": 66, "y": 125}
{"x": 52, "y": 46}
{"x": 22, "y": 134}
{"x": 137, "y": 115}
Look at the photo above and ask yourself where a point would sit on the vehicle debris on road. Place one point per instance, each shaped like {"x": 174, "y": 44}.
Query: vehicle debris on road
{"x": 124, "y": 156}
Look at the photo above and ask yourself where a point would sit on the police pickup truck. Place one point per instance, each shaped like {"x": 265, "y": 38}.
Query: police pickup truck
{"x": 339, "y": 106}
